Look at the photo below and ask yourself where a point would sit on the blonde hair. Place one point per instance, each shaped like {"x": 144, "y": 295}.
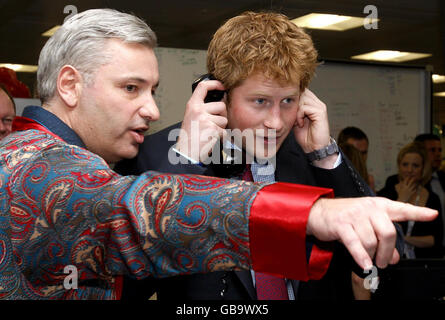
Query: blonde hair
{"x": 261, "y": 42}
{"x": 418, "y": 148}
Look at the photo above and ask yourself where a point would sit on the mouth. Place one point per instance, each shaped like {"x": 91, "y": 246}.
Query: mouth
{"x": 139, "y": 134}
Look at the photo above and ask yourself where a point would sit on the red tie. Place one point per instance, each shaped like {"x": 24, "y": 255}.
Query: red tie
{"x": 270, "y": 287}
{"x": 247, "y": 174}
{"x": 267, "y": 287}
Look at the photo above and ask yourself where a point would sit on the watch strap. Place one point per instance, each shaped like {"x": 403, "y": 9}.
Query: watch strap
{"x": 322, "y": 153}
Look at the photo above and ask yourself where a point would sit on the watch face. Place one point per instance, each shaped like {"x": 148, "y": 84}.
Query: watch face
{"x": 332, "y": 148}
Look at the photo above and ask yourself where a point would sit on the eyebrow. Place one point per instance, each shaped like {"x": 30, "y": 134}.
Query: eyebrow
{"x": 259, "y": 93}
{"x": 138, "y": 79}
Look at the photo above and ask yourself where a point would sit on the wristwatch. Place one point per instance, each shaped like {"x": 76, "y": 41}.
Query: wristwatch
{"x": 322, "y": 153}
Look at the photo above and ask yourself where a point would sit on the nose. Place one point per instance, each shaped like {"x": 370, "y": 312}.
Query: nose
{"x": 149, "y": 110}
{"x": 274, "y": 118}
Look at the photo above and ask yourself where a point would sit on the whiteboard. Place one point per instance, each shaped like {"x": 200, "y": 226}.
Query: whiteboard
{"x": 391, "y": 104}
{"x": 178, "y": 68}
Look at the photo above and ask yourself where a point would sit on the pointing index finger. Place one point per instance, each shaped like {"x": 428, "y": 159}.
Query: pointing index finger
{"x": 399, "y": 211}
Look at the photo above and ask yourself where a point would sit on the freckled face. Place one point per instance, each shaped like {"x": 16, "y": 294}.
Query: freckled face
{"x": 266, "y": 108}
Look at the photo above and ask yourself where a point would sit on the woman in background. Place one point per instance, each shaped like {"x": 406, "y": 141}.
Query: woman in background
{"x": 422, "y": 239}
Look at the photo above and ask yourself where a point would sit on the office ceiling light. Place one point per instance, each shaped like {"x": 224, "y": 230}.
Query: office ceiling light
{"x": 391, "y": 55}
{"x": 19, "y": 67}
{"x": 328, "y": 22}
{"x": 50, "y": 32}
{"x": 440, "y": 94}
{"x": 437, "y": 78}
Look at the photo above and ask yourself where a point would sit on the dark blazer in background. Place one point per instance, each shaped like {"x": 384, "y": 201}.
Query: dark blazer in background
{"x": 441, "y": 176}
{"x": 293, "y": 167}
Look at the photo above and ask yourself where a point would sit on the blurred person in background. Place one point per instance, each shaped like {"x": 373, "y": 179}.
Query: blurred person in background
{"x": 7, "y": 112}
{"x": 357, "y": 138}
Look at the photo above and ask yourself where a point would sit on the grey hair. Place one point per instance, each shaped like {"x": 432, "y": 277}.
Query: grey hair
{"x": 80, "y": 43}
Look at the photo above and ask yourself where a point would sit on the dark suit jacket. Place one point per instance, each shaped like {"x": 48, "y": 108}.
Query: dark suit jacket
{"x": 293, "y": 167}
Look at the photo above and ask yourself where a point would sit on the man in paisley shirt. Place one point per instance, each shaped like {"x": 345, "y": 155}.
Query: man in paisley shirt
{"x": 62, "y": 206}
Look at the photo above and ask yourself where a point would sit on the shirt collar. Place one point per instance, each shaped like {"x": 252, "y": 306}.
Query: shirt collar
{"x": 258, "y": 169}
{"x": 54, "y": 124}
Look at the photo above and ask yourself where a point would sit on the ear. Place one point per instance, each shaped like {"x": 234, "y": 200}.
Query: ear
{"x": 69, "y": 85}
